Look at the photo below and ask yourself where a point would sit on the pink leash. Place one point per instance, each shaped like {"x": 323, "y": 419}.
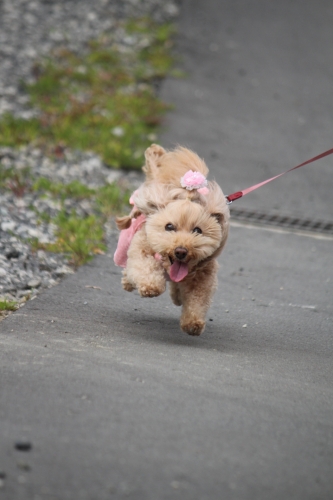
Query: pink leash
{"x": 239, "y": 194}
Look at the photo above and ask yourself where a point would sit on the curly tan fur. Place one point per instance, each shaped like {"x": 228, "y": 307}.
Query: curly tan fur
{"x": 184, "y": 232}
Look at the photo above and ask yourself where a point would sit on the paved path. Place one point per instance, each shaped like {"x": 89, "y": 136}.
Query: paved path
{"x": 258, "y": 99}
{"x": 116, "y": 401}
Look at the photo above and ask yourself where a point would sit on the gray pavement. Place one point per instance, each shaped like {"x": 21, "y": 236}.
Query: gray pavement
{"x": 116, "y": 401}
{"x": 258, "y": 98}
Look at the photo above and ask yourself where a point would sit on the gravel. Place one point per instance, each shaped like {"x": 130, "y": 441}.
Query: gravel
{"x": 30, "y": 29}
{"x": 24, "y": 272}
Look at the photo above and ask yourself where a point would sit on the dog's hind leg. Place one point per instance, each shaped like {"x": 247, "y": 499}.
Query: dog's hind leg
{"x": 126, "y": 284}
{"x": 175, "y": 294}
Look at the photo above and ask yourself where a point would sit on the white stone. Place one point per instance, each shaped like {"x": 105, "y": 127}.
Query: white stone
{"x": 113, "y": 176}
{"x": 3, "y": 271}
{"x": 118, "y": 131}
{"x": 8, "y": 226}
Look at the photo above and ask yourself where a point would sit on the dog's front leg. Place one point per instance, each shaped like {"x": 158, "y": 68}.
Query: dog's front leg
{"x": 143, "y": 271}
{"x": 196, "y": 293}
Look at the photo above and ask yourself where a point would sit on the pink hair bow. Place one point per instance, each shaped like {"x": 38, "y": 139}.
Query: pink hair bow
{"x": 194, "y": 180}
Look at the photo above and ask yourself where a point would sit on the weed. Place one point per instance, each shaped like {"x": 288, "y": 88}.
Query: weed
{"x": 8, "y": 305}
{"x": 79, "y": 238}
{"x": 17, "y": 131}
{"x": 102, "y": 101}
{"x": 34, "y": 244}
{"x": 111, "y": 199}
{"x": 74, "y": 189}
{"x": 18, "y": 181}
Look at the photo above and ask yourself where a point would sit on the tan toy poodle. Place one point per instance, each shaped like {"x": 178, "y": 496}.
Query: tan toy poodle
{"x": 178, "y": 226}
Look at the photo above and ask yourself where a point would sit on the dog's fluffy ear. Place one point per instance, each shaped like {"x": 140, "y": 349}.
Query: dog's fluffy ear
{"x": 153, "y": 155}
{"x": 217, "y": 206}
{"x": 216, "y": 203}
{"x": 219, "y": 217}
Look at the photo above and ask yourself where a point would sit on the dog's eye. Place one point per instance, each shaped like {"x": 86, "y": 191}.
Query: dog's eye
{"x": 170, "y": 227}
{"x": 197, "y": 230}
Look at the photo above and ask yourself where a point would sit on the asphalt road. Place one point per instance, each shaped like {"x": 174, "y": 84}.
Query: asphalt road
{"x": 258, "y": 98}
{"x": 114, "y": 399}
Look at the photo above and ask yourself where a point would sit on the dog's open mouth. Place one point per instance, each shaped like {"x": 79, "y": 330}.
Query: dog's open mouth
{"x": 178, "y": 270}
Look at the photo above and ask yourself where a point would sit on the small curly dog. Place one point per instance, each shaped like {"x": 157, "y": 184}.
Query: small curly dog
{"x": 178, "y": 226}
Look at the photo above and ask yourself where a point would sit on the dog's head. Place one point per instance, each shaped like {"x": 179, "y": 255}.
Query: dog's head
{"x": 164, "y": 171}
{"x": 188, "y": 228}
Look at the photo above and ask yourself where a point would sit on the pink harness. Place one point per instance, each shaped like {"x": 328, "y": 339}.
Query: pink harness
{"x": 125, "y": 238}
{"x": 178, "y": 270}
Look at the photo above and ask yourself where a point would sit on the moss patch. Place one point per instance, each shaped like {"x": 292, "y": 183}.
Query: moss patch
{"x": 6, "y": 307}
{"x": 80, "y": 238}
{"x": 103, "y": 101}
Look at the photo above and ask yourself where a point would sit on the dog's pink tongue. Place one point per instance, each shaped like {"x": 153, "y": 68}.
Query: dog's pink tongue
{"x": 178, "y": 271}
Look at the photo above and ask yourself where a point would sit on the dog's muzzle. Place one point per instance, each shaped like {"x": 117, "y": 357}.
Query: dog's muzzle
{"x": 180, "y": 253}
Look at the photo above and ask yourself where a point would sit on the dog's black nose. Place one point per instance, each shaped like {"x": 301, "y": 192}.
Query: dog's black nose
{"x": 180, "y": 253}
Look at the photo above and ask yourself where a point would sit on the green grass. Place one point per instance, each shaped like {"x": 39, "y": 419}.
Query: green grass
{"x": 18, "y": 181}
{"x": 80, "y": 238}
{"x": 8, "y": 305}
{"x": 111, "y": 199}
{"x": 74, "y": 189}
{"x": 103, "y": 101}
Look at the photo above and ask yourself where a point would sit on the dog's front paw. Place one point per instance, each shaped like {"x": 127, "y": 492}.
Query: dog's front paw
{"x": 193, "y": 327}
{"x": 150, "y": 290}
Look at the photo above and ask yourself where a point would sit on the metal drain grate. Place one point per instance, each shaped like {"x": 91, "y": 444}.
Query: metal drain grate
{"x": 266, "y": 219}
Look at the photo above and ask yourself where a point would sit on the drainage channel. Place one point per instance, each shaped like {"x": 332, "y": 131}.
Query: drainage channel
{"x": 281, "y": 221}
